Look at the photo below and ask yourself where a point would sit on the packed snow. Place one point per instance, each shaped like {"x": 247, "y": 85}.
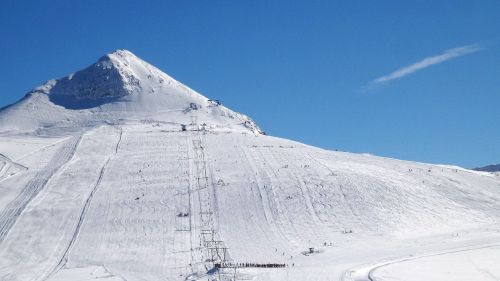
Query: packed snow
{"x": 120, "y": 172}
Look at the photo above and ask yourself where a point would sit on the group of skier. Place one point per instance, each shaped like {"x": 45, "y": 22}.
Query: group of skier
{"x": 246, "y": 264}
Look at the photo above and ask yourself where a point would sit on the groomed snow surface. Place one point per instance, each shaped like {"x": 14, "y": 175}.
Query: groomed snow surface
{"x": 128, "y": 190}
{"x": 110, "y": 207}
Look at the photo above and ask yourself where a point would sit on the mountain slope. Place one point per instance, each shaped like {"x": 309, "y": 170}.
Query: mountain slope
{"x": 141, "y": 197}
{"x": 489, "y": 168}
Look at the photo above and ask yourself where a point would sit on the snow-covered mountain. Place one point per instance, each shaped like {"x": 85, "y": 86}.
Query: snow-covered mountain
{"x": 120, "y": 172}
{"x": 489, "y": 168}
{"x": 120, "y": 87}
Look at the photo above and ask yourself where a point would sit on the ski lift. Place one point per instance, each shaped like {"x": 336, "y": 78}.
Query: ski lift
{"x": 214, "y": 102}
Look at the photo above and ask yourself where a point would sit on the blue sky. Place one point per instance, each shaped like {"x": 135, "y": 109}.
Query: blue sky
{"x": 415, "y": 80}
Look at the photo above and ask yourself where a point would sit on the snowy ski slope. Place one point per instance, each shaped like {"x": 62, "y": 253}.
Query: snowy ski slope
{"x": 133, "y": 190}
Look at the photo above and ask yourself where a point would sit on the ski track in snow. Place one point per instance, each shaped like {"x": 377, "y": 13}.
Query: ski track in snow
{"x": 14, "y": 209}
{"x": 267, "y": 199}
{"x": 367, "y": 273}
{"x": 62, "y": 262}
{"x": 9, "y": 168}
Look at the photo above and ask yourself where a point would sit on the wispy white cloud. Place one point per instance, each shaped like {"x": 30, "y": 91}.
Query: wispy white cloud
{"x": 426, "y": 62}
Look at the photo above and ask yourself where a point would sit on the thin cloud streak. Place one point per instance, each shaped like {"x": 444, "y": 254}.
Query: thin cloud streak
{"x": 447, "y": 55}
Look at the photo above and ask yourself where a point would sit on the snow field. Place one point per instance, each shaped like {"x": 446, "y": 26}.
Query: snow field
{"x": 135, "y": 200}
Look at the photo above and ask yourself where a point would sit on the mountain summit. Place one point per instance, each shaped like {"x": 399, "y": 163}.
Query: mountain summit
{"x": 112, "y": 76}
{"x": 121, "y": 76}
{"x": 119, "y": 86}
